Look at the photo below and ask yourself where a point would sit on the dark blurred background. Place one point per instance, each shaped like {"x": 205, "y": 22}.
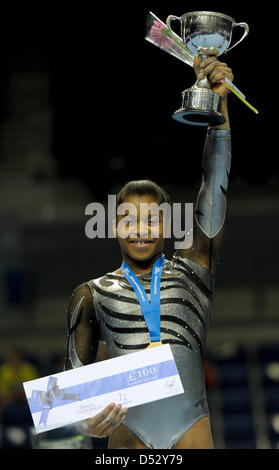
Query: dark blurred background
{"x": 86, "y": 105}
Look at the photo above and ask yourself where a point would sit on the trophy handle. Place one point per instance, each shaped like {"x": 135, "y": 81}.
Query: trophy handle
{"x": 168, "y": 23}
{"x": 246, "y": 31}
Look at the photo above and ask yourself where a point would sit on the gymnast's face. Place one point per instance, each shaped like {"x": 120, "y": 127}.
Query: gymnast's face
{"x": 139, "y": 227}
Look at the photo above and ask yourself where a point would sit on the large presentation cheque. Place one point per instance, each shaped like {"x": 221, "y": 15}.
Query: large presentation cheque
{"x": 77, "y": 394}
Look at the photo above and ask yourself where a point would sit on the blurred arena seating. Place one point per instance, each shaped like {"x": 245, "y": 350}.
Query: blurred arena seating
{"x": 248, "y": 392}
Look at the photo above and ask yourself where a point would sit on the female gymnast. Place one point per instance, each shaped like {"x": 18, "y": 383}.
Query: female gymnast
{"x": 105, "y": 317}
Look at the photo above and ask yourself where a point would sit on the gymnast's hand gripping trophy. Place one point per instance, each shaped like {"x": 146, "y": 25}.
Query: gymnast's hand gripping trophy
{"x": 203, "y": 33}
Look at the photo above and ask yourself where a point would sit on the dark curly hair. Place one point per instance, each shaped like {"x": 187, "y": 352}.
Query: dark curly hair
{"x": 142, "y": 187}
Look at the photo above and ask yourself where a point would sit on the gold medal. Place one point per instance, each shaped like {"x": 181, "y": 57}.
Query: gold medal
{"x": 153, "y": 344}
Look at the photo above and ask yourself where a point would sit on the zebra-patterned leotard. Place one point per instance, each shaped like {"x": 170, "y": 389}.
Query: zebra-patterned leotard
{"x": 186, "y": 302}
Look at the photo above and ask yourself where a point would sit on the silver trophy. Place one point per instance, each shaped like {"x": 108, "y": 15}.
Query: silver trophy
{"x": 202, "y": 33}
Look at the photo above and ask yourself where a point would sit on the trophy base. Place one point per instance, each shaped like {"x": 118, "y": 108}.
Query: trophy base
{"x": 200, "y": 107}
{"x": 198, "y": 117}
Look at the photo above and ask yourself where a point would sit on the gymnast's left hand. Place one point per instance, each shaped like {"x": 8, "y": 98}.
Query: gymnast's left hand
{"x": 215, "y": 71}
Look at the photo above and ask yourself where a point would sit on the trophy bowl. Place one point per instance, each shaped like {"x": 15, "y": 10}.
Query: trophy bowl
{"x": 204, "y": 33}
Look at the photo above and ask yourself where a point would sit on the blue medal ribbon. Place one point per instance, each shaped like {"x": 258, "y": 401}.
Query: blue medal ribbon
{"x": 150, "y": 310}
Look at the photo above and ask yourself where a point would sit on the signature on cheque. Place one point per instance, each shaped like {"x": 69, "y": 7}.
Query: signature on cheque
{"x": 170, "y": 384}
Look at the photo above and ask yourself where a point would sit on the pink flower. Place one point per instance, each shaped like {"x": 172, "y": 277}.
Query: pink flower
{"x": 160, "y": 35}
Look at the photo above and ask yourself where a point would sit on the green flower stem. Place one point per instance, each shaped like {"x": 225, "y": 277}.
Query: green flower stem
{"x": 167, "y": 33}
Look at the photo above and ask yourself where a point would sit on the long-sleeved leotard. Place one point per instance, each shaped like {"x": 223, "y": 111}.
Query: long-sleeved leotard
{"x": 107, "y": 309}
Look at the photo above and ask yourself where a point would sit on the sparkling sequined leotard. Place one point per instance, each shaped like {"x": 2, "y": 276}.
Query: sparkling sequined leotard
{"x": 186, "y": 303}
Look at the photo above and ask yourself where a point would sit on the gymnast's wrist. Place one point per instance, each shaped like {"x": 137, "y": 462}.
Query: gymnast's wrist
{"x": 225, "y": 113}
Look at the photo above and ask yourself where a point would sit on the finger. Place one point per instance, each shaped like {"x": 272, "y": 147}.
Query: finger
{"x": 199, "y": 65}
{"x": 109, "y": 419}
{"x": 220, "y": 73}
{"x": 210, "y": 60}
{"x": 99, "y": 418}
{"x": 209, "y": 68}
{"x": 218, "y": 67}
{"x": 218, "y": 77}
{"x": 216, "y": 71}
{"x": 210, "y": 51}
{"x": 118, "y": 420}
{"x": 196, "y": 64}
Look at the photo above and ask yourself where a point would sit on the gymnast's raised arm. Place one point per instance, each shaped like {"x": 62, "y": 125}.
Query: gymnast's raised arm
{"x": 210, "y": 207}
